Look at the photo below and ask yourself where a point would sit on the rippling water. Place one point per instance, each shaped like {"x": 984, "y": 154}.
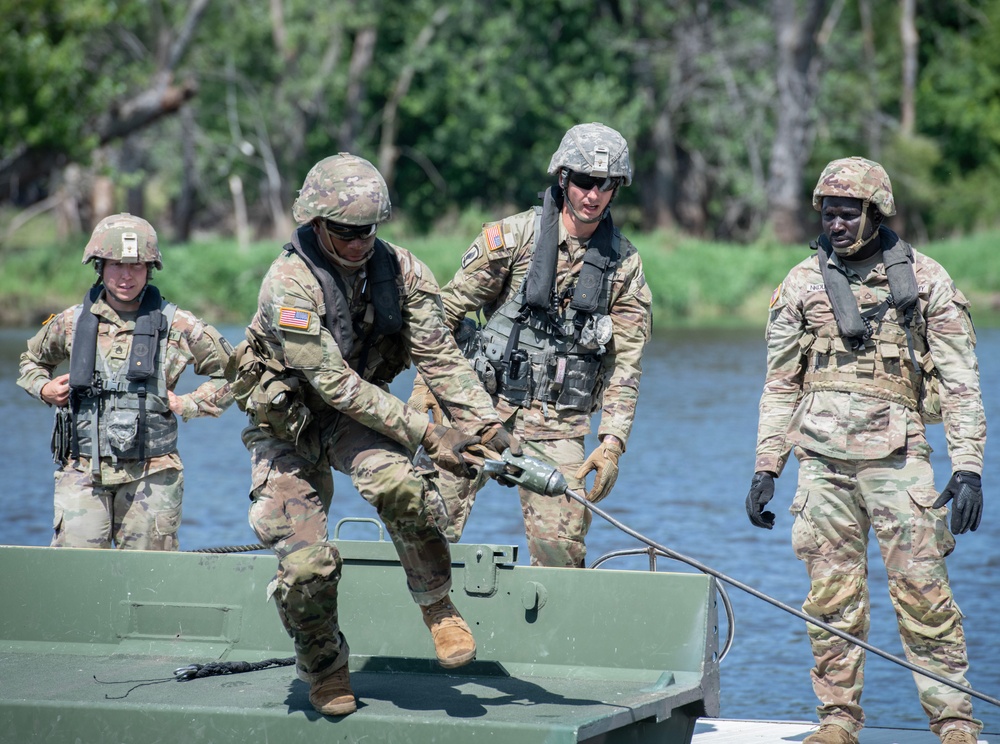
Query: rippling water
{"x": 683, "y": 482}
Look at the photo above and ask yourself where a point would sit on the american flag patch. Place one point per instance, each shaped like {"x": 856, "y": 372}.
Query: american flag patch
{"x": 494, "y": 237}
{"x": 292, "y": 318}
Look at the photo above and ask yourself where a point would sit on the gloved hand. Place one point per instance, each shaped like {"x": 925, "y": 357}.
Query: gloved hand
{"x": 967, "y": 490}
{"x": 604, "y": 460}
{"x": 445, "y": 445}
{"x": 497, "y": 439}
{"x": 423, "y": 400}
{"x": 761, "y": 491}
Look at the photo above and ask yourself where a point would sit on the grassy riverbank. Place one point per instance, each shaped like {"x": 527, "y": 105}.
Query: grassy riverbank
{"x": 694, "y": 283}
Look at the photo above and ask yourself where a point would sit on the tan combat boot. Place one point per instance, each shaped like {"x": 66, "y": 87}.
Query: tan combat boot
{"x": 453, "y": 641}
{"x": 958, "y": 736}
{"x": 332, "y": 695}
{"x": 831, "y": 733}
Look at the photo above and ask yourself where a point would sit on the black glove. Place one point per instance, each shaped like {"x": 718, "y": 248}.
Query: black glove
{"x": 498, "y": 439}
{"x": 761, "y": 491}
{"x": 967, "y": 490}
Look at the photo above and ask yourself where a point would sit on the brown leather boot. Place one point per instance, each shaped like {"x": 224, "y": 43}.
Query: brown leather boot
{"x": 958, "y": 736}
{"x": 332, "y": 695}
{"x": 831, "y": 733}
{"x": 453, "y": 641}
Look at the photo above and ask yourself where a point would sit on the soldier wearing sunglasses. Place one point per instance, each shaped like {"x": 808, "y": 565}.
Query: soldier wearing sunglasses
{"x": 566, "y": 313}
{"x": 341, "y": 312}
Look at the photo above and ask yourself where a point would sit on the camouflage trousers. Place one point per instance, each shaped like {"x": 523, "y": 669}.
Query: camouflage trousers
{"x": 837, "y": 504}
{"x": 143, "y": 514}
{"x": 290, "y": 500}
{"x": 555, "y": 526}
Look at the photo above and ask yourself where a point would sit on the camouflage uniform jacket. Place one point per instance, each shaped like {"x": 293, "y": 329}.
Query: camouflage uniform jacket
{"x": 191, "y": 341}
{"x": 305, "y": 346}
{"x": 492, "y": 271}
{"x": 853, "y": 425}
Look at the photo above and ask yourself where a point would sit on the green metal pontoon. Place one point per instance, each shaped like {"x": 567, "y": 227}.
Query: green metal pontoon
{"x": 596, "y": 655}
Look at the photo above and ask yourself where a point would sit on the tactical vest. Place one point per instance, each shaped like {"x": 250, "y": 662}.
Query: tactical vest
{"x": 554, "y": 356}
{"x": 889, "y": 359}
{"x": 383, "y": 354}
{"x": 132, "y": 418}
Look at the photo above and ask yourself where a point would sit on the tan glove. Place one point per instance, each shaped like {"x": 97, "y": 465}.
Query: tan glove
{"x": 604, "y": 460}
{"x": 423, "y": 400}
{"x": 497, "y": 439}
{"x": 445, "y": 445}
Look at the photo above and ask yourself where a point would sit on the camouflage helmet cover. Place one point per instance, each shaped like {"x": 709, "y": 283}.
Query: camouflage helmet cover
{"x": 126, "y": 238}
{"x": 856, "y": 178}
{"x": 594, "y": 149}
{"x": 343, "y": 188}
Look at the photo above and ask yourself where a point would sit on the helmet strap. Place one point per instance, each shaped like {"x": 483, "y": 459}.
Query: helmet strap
{"x": 331, "y": 250}
{"x": 564, "y": 185}
{"x": 861, "y": 241}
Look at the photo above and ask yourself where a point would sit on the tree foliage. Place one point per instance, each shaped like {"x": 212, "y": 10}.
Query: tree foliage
{"x": 192, "y": 107}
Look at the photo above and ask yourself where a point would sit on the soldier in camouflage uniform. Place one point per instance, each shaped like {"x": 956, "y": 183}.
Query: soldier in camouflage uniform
{"x": 340, "y": 314}
{"x": 567, "y": 314}
{"x": 120, "y": 480}
{"x": 859, "y": 338}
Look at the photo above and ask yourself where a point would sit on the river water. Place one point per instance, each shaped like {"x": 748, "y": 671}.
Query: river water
{"x": 683, "y": 482}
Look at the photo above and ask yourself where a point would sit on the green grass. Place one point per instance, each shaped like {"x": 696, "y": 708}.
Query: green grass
{"x": 693, "y": 282}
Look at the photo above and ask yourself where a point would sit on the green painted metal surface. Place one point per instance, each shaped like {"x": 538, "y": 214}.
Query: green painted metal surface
{"x": 563, "y": 655}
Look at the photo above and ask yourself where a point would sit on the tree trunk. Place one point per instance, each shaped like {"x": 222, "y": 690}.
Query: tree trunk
{"x": 909, "y": 38}
{"x": 797, "y": 84}
{"x": 388, "y": 153}
{"x": 361, "y": 59}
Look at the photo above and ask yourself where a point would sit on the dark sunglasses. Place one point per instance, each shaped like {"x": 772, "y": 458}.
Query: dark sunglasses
{"x": 585, "y": 182}
{"x": 349, "y": 232}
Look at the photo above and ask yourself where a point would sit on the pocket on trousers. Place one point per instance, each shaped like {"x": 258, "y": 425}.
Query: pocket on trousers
{"x": 167, "y": 522}
{"x": 924, "y": 496}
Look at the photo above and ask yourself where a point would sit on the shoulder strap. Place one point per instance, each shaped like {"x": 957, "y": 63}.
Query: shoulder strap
{"x": 83, "y": 356}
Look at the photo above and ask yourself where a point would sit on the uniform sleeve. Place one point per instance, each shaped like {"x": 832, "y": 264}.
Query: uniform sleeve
{"x": 195, "y": 342}
{"x": 631, "y": 315}
{"x": 47, "y": 349}
{"x": 783, "y": 381}
{"x": 485, "y": 272}
{"x": 951, "y": 339}
{"x": 290, "y": 309}
{"x": 441, "y": 365}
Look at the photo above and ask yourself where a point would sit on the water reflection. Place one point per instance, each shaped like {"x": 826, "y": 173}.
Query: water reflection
{"x": 682, "y": 483}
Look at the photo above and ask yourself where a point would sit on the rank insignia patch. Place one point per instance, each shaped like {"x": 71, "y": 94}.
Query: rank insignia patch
{"x": 292, "y": 318}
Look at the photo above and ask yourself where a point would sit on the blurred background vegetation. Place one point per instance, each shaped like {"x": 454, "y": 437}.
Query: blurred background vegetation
{"x": 205, "y": 115}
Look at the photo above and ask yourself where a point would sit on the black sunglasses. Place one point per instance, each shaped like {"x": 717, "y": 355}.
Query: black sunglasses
{"x": 586, "y": 182}
{"x": 349, "y": 232}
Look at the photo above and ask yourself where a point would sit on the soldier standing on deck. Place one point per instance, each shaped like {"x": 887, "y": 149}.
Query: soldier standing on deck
{"x": 568, "y": 316}
{"x": 340, "y": 314}
{"x": 859, "y": 339}
{"x": 120, "y": 480}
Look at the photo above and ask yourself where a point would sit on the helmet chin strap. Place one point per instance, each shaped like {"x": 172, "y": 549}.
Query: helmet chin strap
{"x": 344, "y": 263}
{"x": 563, "y": 184}
{"x": 861, "y": 242}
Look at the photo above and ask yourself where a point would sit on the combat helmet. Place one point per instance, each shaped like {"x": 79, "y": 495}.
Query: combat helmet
{"x": 594, "y": 149}
{"x": 125, "y": 238}
{"x": 856, "y": 178}
{"x": 343, "y": 188}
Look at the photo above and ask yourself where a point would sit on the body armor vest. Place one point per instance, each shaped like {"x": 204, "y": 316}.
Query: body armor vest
{"x": 121, "y": 414}
{"x": 883, "y": 355}
{"x": 554, "y": 355}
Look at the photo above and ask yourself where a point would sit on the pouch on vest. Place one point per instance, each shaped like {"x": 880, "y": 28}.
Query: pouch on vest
{"x": 930, "y": 399}
{"x": 243, "y": 370}
{"x": 123, "y": 431}
{"x": 577, "y": 393}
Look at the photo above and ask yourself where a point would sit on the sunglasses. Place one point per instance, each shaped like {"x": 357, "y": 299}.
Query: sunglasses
{"x": 349, "y": 232}
{"x": 585, "y": 182}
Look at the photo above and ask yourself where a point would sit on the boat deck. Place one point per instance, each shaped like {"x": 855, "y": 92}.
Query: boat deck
{"x": 564, "y": 656}
{"x": 731, "y": 731}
